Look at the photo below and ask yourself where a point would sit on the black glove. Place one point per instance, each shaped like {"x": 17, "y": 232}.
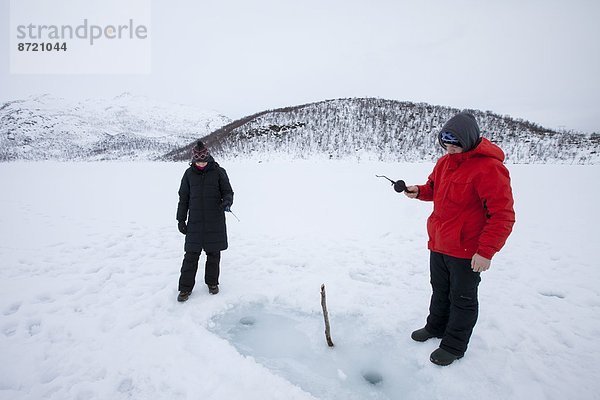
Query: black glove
{"x": 400, "y": 186}
{"x": 182, "y": 227}
{"x": 226, "y": 205}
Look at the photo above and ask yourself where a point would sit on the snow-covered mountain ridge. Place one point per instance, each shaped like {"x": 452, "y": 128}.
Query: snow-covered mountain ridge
{"x": 125, "y": 127}
{"x": 386, "y": 130}
{"x": 131, "y": 127}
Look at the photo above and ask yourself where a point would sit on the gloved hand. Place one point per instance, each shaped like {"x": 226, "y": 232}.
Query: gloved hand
{"x": 400, "y": 186}
{"x": 182, "y": 227}
{"x": 226, "y": 206}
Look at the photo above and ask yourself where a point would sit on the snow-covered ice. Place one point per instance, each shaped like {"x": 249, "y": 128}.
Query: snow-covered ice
{"x": 90, "y": 257}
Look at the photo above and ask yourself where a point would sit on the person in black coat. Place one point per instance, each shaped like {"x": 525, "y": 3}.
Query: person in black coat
{"x": 204, "y": 196}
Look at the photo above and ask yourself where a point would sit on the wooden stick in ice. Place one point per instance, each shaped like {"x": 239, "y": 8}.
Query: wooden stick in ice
{"x": 326, "y": 316}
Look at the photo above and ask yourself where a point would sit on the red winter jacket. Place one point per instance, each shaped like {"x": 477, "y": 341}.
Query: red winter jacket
{"x": 472, "y": 203}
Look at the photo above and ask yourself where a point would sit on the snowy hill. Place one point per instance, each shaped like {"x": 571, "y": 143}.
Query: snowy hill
{"x": 126, "y": 127}
{"x": 386, "y": 130}
{"x": 131, "y": 127}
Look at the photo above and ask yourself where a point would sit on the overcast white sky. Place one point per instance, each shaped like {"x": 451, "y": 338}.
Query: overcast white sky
{"x": 537, "y": 60}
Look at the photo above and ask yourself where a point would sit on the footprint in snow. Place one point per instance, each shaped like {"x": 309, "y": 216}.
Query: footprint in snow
{"x": 126, "y": 385}
{"x": 13, "y": 308}
{"x": 9, "y": 329}
{"x": 367, "y": 277}
{"x": 35, "y": 327}
{"x": 44, "y": 298}
{"x": 552, "y": 294}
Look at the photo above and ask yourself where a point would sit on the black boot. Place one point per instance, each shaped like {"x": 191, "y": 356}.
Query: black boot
{"x": 213, "y": 289}
{"x": 443, "y": 357}
{"x": 183, "y": 296}
{"x": 422, "y": 335}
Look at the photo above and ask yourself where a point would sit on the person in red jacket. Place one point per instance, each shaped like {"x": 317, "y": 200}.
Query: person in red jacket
{"x": 472, "y": 218}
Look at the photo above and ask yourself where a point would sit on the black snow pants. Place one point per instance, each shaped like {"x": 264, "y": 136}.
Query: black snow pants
{"x": 454, "y": 306}
{"x": 187, "y": 280}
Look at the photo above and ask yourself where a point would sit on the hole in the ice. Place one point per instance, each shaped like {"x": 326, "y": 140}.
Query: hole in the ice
{"x": 247, "y": 321}
{"x": 292, "y": 344}
{"x": 373, "y": 377}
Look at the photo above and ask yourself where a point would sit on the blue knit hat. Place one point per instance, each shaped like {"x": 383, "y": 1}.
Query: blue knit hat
{"x": 449, "y": 138}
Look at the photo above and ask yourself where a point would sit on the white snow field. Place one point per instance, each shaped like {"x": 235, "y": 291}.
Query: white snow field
{"x": 90, "y": 257}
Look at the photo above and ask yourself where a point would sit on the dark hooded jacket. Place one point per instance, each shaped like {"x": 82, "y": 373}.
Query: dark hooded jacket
{"x": 202, "y": 195}
{"x": 471, "y": 194}
{"x": 464, "y": 126}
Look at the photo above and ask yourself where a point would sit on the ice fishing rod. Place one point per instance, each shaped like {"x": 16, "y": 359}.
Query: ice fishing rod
{"x": 383, "y": 176}
{"x": 234, "y": 215}
{"x": 399, "y": 185}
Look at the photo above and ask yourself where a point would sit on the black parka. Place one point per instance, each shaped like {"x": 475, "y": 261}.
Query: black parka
{"x": 201, "y": 197}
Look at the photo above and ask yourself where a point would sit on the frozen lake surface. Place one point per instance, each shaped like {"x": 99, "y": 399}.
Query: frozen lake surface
{"x": 90, "y": 257}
